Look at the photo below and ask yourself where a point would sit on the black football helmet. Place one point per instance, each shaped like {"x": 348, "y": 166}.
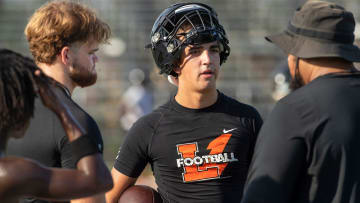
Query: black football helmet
{"x": 167, "y": 44}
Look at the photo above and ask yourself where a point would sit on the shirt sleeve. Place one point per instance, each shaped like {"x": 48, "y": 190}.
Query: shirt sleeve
{"x": 66, "y": 154}
{"x": 133, "y": 154}
{"x": 62, "y": 145}
{"x": 279, "y": 158}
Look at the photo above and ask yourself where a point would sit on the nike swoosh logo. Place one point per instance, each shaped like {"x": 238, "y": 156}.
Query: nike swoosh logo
{"x": 227, "y": 131}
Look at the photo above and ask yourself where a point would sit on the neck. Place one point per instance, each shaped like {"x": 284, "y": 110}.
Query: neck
{"x": 58, "y": 72}
{"x": 196, "y": 100}
{"x": 314, "y": 69}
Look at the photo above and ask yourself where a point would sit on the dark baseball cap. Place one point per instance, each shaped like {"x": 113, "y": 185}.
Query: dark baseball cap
{"x": 319, "y": 29}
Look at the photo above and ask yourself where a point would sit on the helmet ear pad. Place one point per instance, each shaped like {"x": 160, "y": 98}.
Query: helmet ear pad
{"x": 167, "y": 62}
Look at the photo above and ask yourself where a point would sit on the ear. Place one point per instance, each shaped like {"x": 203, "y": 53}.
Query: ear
{"x": 65, "y": 55}
{"x": 177, "y": 68}
{"x": 292, "y": 64}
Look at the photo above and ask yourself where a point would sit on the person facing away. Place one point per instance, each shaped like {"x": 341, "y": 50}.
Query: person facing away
{"x": 308, "y": 148}
{"x": 63, "y": 38}
{"x": 200, "y": 143}
{"x": 21, "y": 177}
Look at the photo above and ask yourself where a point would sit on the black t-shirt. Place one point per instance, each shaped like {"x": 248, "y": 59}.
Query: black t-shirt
{"x": 308, "y": 149}
{"x": 45, "y": 140}
{"x": 197, "y": 155}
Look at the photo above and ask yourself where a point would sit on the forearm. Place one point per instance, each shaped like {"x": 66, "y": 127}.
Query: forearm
{"x": 91, "y": 177}
{"x": 114, "y": 195}
{"x": 121, "y": 183}
{"x": 72, "y": 128}
{"x": 97, "y": 174}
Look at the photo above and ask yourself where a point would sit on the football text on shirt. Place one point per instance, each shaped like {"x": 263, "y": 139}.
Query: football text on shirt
{"x": 199, "y": 168}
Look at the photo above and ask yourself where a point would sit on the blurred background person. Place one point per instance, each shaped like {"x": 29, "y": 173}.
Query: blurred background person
{"x": 281, "y": 80}
{"x": 137, "y": 100}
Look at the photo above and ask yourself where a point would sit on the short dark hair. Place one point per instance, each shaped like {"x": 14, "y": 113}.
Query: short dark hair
{"x": 17, "y": 89}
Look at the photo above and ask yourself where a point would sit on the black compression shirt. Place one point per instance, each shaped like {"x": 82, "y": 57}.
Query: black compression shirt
{"x": 197, "y": 155}
{"x": 308, "y": 149}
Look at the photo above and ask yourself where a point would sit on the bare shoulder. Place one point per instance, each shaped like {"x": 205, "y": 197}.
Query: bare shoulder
{"x": 17, "y": 176}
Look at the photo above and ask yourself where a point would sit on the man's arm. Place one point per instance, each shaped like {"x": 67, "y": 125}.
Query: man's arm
{"x": 64, "y": 148}
{"x": 130, "y": 161}
{"x": 28, "y": 178}
{"x": 132, "y": 156}
{"x": 121, "y": 183}
{"x": 279, "y": 159}
{"x": 92, "y": 175}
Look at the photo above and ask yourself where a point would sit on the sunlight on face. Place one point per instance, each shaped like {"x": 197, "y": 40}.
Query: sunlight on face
{"x": 199, "y": 66}
{"x": 83, "y": 71}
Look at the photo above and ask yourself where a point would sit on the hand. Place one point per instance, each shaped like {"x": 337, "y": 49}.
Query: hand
{"x": 48, "y": 92}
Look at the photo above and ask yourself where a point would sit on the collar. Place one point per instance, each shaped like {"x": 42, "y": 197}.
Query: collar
{"x": 66, "y": 90}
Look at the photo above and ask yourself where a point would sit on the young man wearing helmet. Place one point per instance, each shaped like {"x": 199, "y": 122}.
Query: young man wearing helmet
{"x": 200, "y": 143}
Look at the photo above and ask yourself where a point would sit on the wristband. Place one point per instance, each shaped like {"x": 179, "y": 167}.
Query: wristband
{"x": 83, "y": 146}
